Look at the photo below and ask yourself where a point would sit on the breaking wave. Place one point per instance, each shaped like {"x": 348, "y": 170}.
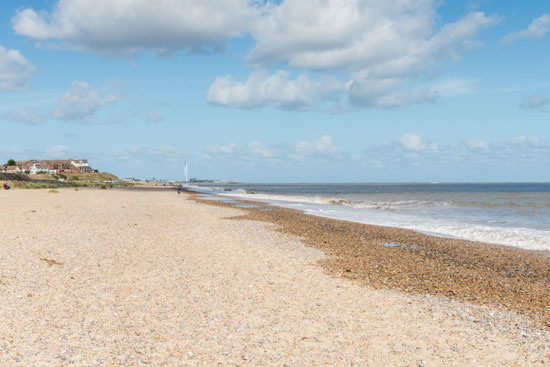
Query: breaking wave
{"x": 443, "y": 218}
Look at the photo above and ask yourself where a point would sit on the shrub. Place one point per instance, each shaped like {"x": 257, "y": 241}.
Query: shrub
{"x": 74, "y": 178}
{"x": 53, "y": 191}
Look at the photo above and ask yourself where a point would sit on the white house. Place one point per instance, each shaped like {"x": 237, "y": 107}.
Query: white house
{"x": 79, "y": 163}
{"x": 37, "y": 169}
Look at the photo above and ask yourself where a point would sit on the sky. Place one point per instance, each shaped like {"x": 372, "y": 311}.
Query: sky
{"x": 280, "y": 91}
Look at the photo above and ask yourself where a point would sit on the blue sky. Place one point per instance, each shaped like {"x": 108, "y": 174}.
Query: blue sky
{"x": 285, "y": 91}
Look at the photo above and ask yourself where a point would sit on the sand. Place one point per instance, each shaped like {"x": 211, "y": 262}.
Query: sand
{"x": 131, "y": 278}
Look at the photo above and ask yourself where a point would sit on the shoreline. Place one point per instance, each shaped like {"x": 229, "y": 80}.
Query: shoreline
{"x": 500, "y": 276}
{"x": 489, "y": 220}
{"x": 427, "y": 233}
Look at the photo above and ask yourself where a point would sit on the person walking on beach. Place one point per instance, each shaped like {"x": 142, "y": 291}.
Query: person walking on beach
{"x": 179, "y": 189}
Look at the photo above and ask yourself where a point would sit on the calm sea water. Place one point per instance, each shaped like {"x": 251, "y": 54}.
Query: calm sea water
{"x": 515, "y": 214}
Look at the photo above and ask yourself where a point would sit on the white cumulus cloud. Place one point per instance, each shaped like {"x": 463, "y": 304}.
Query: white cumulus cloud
{"x": 379, "y": 45}
{"x": 382, "y": 52}
{"x": 81, "y": 101}
{"x": 15, "y": 70}
{"x": 257, "y": 149}
{"x": 415, "y": 151}
{"x": 323, "y": 146}
{"x": 220, "y": 151}
{"x": 322, "y": 149}
{"x": 536, "y": 30}
{"x": 477, "y": 144}
{"x": 279, "y": 90}
{"x": 415, "y": 143}
{"x": 388, "y": 38}
{"x": 124, "y": 27}
{"x": 528, "y": 140}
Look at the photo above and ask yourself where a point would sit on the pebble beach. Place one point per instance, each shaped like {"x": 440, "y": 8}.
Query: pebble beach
{"x": 135, "y": 277}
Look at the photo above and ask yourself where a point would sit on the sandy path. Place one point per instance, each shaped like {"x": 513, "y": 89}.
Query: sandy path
{"x": 112, "y": 277}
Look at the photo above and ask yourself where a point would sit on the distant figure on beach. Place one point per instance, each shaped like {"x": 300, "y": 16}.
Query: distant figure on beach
{"x": 7, "y": 185}
{"x": 179, "y": 189}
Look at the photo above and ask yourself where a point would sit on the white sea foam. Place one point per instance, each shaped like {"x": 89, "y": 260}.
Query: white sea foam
{"x": 383, "y": 205}
{"x": 527, "y": 238}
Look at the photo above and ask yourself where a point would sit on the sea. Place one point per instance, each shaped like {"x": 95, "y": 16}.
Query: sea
{"x": 513, "y": 214}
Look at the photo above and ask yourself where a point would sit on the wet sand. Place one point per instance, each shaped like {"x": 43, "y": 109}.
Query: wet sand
{"x": 131, "y": 278}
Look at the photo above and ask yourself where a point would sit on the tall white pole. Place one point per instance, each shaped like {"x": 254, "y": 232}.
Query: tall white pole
{"x": 186, "y": 178}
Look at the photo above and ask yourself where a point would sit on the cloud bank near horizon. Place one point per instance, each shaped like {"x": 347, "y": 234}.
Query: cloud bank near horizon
{"x": 411, "y": 152}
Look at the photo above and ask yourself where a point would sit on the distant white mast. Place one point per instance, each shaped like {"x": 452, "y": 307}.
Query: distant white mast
{"x": 186, "y": 178}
